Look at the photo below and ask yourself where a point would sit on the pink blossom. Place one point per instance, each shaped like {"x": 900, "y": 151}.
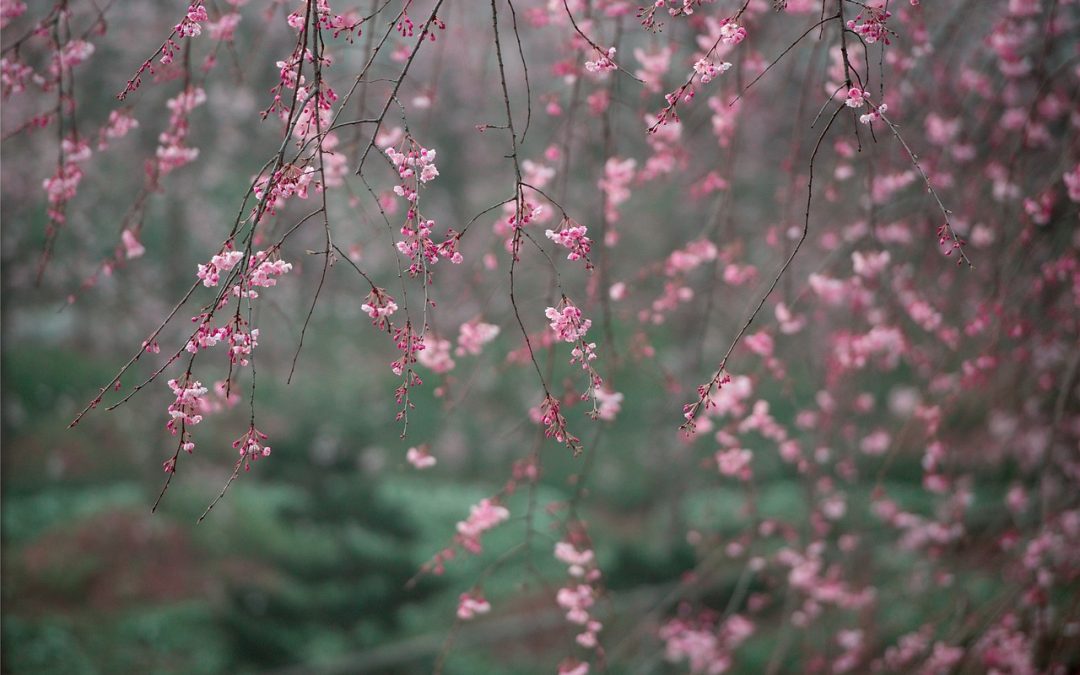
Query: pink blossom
{"x": 869, "y": 264}
{"x": 190, "y": 26}
{"x": 473, "y": 335}
{"x": 603, "y": 63}
{"x": 210, "y": 273}
{"x": 708, "y": 70}
{"x": 568, "y": 324}
{"x": 224, "y": 28}
{"x": 380, "y": 306}
{"x": 734, "y": 462}
{"x": 732, "y": 33}
{"x": 420, "y": 458}
{"x": 436, "y": 355}
{"x": 482, "y": 517}
{"x": 856, "y": 98}
{"x": 9, "y": 10}
{"x": 572, "y": 238}
{"x": 875, "y": 443}
{"x": 576, "y": 600}
{"x": 789, "y": 323}
{"x": 577, "y": 560}
{"x": 870, "y": 23}
{"x": 573, "y": 667}
{"x": 132, "y": 247}
{"x": 469, "y": 606}
{"x": 875, "y": 114}
{"x": 1072, "y": 183}
{"x": 610, "y": 403}
{"x": 654, "y": 65}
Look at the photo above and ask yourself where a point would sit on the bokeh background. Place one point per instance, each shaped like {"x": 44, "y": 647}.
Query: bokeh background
{"x": 304, "y": 566}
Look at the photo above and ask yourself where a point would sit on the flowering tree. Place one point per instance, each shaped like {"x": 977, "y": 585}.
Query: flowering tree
{"x": 824, "y": 240}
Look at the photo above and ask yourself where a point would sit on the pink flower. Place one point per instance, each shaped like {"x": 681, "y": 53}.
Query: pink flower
{"x": 734, "y": 462}
{"x": 576, "y": 600}
{"x": 610, "y": 403}
{"x": 789, "y": 323}
{"x": 870, "y": 24}
{"x": 380, "y": 306}
{"x": 1072, "y": 183}
{"x": 210, "y": 273}
{"x": 573, "y": 667}
{"x": 224, "y": 28}
{"x": 436, "y": 355}
{"x": 577, "y": 560}
{"x": 874, "y": 115}
{"x": 470, "y": 605}
{"x": 709, "y": 70}
{"x": 420, "y": 458}
{"x": 482, "y": 517}
{"x": 11, "y": 9}
{"x": 132, "y": 247}
{"x": 870, "y": 263}
{"x": 473, "y": 335}
{"x": 732, "y": 33}
{"x": 856, "y": 97}
{"x": 568, "y": 323}
{"x": 875, "y": 443}
{"x": 603, "y": 63}
{"x": 573, "y": 239}
{"x": 190, "y": 27}
{"x": 759, "y": 343}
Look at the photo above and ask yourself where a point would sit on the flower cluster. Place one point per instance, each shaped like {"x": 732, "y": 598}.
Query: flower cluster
{"x": 708, "y": 70}
{"x": 472, "y": 604}
{"x": 251, "y": 447}
{"x": 573, "y": 238}
{"x": 262, "y": 271}
{"x": 578, "y": 595}
{"x": 857, "y": 98}
{"x": 436, "y": 355}
{"x": 210, "y": 273}
{"x": 420, "y": 457}
{"x": 722, "y": 36}
{"x": 707, "y": 648}
{"x": 291, "y": 180}
{"x": 186, "y": 406}
{"x": 184, "y": 412}
{"x": 870, "y": 23}
{"x": 554, "y": 423}
{"x": 603, "y": 63}
{"x": 416, "y": 245}
{"x": 483, "y": 516}
{"x": 473, "y": 335}
{"x": 10, "y": 10}
{"x": 380, "y": 306}
{"x": 416, "y": 166}
{"x": 119, "y": 124}
{"x": 568, "y": 324}
{"x": 347, "y": 24}
{"x": 190, "y": 25}
{"x": 172, "y": 151}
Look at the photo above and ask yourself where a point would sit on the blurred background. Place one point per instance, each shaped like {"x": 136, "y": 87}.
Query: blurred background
{"x": 309, "y": 563}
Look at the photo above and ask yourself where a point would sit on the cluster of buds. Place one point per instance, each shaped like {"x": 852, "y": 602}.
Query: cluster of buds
{"x": 870, "y": 25}
{"x": 380, "y": 306}
{"x": 250, "y": 447}
{"x": 554, "y": 423}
